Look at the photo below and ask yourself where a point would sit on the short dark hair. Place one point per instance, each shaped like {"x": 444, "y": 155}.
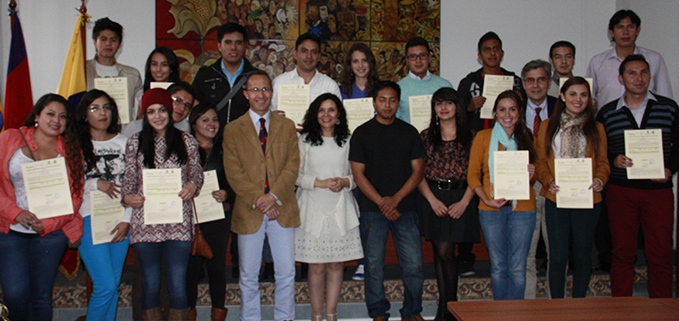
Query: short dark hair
{"x": 622, "y": 14}
{"x": 232, "y": 27}
{"x": 107, "y": 24}
{"x": 385, "y": 84}
{"x": 629, "y": 59}
{"x": 536, "y": 64}
{"x": 181, "y": 85}
{"x": 559, "y": 44}
{"x": 254, "y": 73}
{"x": 417, "y": 41}
{"x": 490, "y": 35}
{"x": 308, "y": 36}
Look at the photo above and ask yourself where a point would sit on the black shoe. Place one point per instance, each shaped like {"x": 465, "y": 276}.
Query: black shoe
{"x": 235, "y": 272}
{"x": 267, "y": 273}
{"x": 603, "y": 267}
{"x": 466, "y": 268}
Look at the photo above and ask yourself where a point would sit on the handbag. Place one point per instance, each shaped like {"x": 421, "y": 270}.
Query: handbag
{"x": 199, "y": 247}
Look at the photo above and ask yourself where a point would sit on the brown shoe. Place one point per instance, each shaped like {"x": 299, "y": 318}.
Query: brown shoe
{"x": 380, "y": 319}
{"x": 219, "y": 314}
{"x": 178, "y": 315}
{"x": 152, "y": 314}
{"x": 417, "y": 318}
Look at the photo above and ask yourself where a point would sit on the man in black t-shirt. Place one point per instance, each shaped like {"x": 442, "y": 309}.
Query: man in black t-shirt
{"x": 387, "y": 160}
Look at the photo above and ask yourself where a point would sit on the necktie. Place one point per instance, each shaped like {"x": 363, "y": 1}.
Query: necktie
{"x": 536, "y": 121}
{"x": 262, "y": 140}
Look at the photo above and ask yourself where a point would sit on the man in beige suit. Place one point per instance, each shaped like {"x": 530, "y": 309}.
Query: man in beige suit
{"x": 261, "y": 161}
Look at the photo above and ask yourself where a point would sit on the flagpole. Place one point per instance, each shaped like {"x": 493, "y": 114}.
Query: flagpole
{"x": 86, "y": 19}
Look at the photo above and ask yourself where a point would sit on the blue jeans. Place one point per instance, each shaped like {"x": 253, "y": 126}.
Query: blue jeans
{"x": 375, "y": 228}
{"x": 176, "y": 256}
{"x": 28, "y": 266}
{"x": 104, "y": 263}
{"x": 508, "y": 236}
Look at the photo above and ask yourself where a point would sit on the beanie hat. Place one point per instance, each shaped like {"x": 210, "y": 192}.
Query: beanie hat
{"x": 156, "y": 96}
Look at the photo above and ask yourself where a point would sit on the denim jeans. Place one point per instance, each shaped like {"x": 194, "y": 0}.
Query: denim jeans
{"x": 375, "y": 228}
{"x": 28, "y": 266}
{"x": 104, "y": 263}
{"x": 176, "y": 256}
{"x": 508, "y": 236}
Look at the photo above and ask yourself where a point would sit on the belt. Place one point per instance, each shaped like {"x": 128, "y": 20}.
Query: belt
{"x": 447, "y": 184}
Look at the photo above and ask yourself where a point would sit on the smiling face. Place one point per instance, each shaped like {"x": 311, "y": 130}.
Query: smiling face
{"x": 182, "y": 102}
{"x": 359, "y": 64}
{"x": 259, "y": 92}
{"x": 99, "y": 114}
{"x": 507, "y": 114}
{"x": 576, "y": 98}
{"x": 563, "y": 60}
{"x": 386, "y": 105}
{"x": 160, "y": 68}
{"x": 107, "y": 44}
{"x": 307, "y": 55}
{"x": 445, "y": 110}
{"x": 536, "y": 83}
{"x": 232, "y": 48}
{"x": 636, "y": 77}
{"x": 158, "y": 117}
{"x": 52, "y": 119}
{"x": 327, "y": 116}
{"x": 491, "y": 53}
{"x": 206, "y": 125}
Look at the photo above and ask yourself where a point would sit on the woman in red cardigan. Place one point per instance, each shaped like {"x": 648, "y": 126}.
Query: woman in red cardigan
{"x": 31, "y": 248}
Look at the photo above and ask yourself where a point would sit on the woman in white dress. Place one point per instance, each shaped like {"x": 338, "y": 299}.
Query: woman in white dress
{"x": 328, "y": 235}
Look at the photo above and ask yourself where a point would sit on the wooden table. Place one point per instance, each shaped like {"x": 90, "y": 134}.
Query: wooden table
{"x": 627, "y": 308}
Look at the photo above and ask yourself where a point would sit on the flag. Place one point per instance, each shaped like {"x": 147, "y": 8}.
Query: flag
{"x": 18, "y": 94}
{"x": 73, "y": 84}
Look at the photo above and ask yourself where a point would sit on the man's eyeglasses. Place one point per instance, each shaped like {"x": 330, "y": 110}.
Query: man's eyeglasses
{"x": 422, "y": 56}
{"x": 180, "y": 102}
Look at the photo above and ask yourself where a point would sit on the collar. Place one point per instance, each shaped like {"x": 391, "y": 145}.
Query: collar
{"x": 296, "y": 75}
{"x": 413, "y": 76}
{"x": 532, "y": 106}
{"x": 622, "y": 103}
{"x": 613, "y": 54}
{"x": 255, "y": 118}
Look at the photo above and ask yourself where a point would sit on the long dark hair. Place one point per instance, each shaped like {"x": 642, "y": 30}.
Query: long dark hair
{"x": 589, "y": 127}
{"x": 196, "y": 112}
{"x": 312, "y": 128}
{"x": 174, "y": 138}
{"x": 348, "y": 78}
{"x": 74, "y": 159}
{"x": 82, "y": 127}
{"x": 522, "y": 135}
{"x": 172, "y": 62}
{"x": 463, "y": 133}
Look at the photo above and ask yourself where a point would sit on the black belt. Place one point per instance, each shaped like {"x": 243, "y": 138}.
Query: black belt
{"x": 447, "y": 184}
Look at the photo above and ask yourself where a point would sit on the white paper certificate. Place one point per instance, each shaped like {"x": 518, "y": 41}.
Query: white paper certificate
{"x": 644, "y": 147}
{"x": 106, "y": 214}
{"x": 156, "y": 84}
{"x": 207, "y": 207}
{"x": 494, "y": 85}
{"x": 420, "y": 111}
{"x": 359, "y": 111}
{"x": 294, "y": 100}
{"x": 161, "y": 188}
{"x": 574, "y": 177}
{"x": 117, "y": 89}
{"x": 512, "y": 181}
{"x": 47, "y": 188}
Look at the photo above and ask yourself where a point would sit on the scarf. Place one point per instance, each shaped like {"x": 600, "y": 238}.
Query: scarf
{"x": 499, "y": 136}
{"x": 573, "y": 140}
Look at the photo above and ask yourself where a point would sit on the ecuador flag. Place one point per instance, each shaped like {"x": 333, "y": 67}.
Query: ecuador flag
{"x": 73, "y": 84}
{"x": 18, "y": 94}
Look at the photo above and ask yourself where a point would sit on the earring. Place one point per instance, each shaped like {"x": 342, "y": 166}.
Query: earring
{"x": 337, "y": 122}
{"x": 437, "y": 120}
{"x": 36, "y": 124}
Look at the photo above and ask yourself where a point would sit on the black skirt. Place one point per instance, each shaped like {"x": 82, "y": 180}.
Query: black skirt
{"x": 466, "y": 229}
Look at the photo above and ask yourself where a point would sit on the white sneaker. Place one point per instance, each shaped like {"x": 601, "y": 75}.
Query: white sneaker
{"x": 359, "y": 275}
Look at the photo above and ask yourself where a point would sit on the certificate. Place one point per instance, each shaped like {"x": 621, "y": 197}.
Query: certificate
{"x": 106, "y": 214}
{"x": 512, "y": 180}
{"x": 564, "y": 80}
{"x": 161, "y": 188}
{"x": 420, "y": 111}
{"x": 117, "y": 89}
{"x": 359, "y": 111}
{"x": 644, "y": 147}
{"x": 294, "y": 100}
{"x": 207, "y": 207}
{"x": 574, "y": 177}
{"x": 493, "y": 86}
{"x": 156, "y": 84}
{"x": 47, "y": 188}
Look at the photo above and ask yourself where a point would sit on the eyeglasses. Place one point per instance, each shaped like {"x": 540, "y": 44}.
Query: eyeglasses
{"x": 178, "y": 101}
{"x": 539, "y": 80}
{"x": 262, "y": 90}
{"x": 422, "y": 56}
{"x": 96, "y": 108}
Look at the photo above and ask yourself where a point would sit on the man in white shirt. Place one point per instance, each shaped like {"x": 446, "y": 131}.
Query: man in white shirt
{"x": 307, "y": 54}
{"x": 108, "y": 37}
{"x": 624, "y": 29}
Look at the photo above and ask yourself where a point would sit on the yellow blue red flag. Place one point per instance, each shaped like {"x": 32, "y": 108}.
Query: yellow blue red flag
{"x": 73, "y": 84}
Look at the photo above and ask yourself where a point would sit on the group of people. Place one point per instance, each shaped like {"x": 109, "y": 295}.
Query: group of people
{"x": 318, "y": 194}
